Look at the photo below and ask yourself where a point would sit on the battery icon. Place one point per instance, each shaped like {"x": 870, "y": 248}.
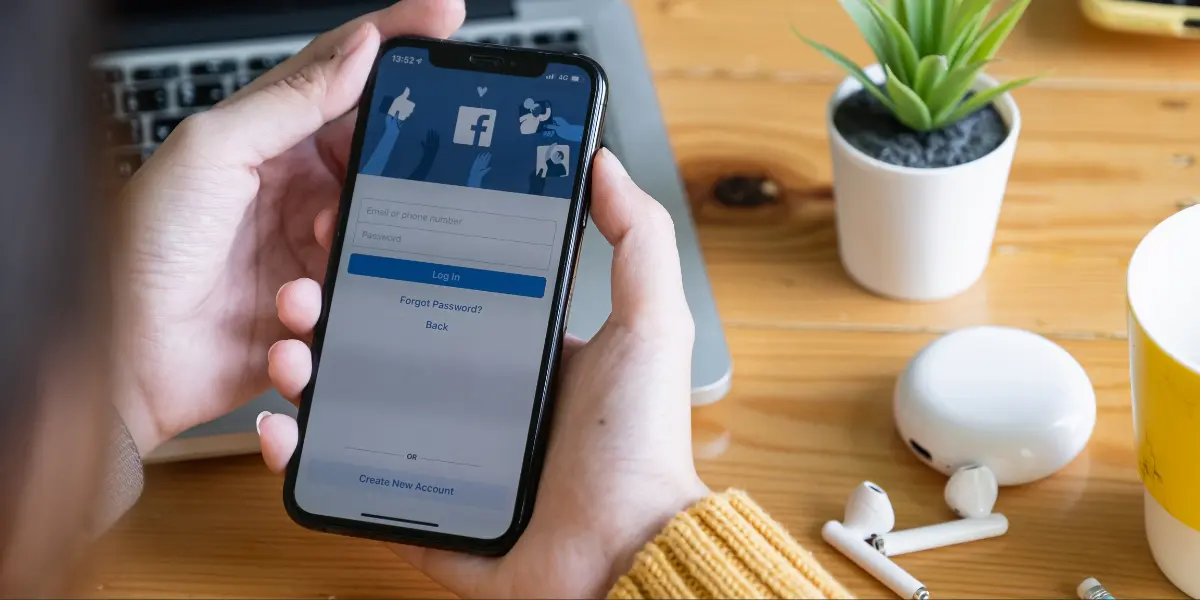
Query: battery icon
{"x": 574, "y": 78}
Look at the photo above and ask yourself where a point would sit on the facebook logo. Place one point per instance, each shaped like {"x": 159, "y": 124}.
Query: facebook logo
{"x": 474, "y": 126}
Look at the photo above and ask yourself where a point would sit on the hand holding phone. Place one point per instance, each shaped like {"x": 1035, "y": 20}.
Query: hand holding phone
{"x": 444, "y": 303}
{"x": 620, "y": 466}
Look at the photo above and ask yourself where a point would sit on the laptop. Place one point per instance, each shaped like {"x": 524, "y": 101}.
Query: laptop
{"x": 166, "y": 60}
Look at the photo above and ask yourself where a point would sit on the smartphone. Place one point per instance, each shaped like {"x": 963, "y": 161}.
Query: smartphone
{"x": 446, "y": 295}
{"x": 1174, "y": 18}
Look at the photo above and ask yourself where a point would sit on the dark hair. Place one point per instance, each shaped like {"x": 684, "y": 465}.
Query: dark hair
{"x": 53, "y": 222}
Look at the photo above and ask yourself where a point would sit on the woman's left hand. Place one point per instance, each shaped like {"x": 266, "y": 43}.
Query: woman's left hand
{"x": 224, "y": 214}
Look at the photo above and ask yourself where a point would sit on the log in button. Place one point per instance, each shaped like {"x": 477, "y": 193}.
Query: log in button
{"x": 497, "y": 282}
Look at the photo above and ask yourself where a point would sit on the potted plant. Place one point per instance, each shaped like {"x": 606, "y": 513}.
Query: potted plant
{"x": 922, "y": 145}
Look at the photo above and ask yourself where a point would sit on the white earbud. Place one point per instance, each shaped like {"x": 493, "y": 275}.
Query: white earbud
{"x": 971, "y": 494}
{"x": 869, "y": 513}
{"x": 869, "y": 510}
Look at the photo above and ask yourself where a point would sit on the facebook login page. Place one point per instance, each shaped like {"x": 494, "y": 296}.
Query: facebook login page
{"x": 428, "y": 374}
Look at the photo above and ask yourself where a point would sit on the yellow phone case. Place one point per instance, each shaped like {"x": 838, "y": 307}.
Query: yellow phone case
{"x": 1144, "y": 17}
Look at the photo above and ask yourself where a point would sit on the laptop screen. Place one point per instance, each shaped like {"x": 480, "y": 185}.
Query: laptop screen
{"x": 148, "y": 23}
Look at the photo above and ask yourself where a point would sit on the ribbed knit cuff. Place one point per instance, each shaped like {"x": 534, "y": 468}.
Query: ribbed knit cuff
{"x": 124, "y": 480}
{"x": 726, "y": 546}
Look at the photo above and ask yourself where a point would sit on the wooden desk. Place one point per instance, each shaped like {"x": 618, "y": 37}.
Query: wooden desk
{"x": 1110, "y": 148}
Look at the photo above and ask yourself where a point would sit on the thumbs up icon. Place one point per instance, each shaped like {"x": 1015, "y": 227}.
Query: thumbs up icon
{"x": 402, "y": 107}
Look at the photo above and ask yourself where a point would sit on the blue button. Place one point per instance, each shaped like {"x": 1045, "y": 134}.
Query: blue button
{"x": 466, "y": 278}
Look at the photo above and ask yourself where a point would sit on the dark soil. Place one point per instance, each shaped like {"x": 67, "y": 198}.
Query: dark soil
{"x": 869, "y": 126}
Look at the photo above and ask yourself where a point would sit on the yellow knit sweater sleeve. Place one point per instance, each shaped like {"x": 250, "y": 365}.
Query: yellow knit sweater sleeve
{"x": 726, "y": 546}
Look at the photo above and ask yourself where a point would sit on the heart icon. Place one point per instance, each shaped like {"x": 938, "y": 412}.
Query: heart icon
{"x": 481, "y": 90}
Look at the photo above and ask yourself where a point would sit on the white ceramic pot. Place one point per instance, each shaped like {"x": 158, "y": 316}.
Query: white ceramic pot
{"x": 918, "y": 234}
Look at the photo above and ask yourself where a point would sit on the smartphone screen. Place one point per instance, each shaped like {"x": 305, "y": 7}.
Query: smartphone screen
{"x": 437, "y": 333}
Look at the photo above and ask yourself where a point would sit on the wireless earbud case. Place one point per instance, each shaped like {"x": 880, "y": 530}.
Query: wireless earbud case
{"x": 1004, "y": 398}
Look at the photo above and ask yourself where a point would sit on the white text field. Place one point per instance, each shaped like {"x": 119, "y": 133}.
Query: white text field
{"x": 461, "y": 222}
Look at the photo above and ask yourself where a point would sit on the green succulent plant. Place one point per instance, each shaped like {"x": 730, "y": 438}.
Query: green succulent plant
{"x": 932, "y": 51}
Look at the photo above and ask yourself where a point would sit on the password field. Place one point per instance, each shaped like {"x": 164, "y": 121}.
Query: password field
{"x": 444, "y": 245}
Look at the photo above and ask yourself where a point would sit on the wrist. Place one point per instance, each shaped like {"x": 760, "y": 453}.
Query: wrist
{"x": 139, "y": 421}
{"x": 650, "y": 522}
{"x": 133, "y": 405}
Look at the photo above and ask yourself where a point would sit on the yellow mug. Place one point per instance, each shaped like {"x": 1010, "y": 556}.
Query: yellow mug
{"x": 1164, "y": 360}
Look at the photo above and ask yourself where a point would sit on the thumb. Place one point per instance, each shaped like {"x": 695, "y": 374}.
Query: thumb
{"x": 257, "y": 127}
{"x": 278, "y": 435}
{"x": 405, "y": 94}
{"x": 647, "y": 281}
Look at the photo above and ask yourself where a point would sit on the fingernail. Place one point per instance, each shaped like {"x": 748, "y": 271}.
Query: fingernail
{"x": 258, "y": 421}
{"x": 353, "y": 42}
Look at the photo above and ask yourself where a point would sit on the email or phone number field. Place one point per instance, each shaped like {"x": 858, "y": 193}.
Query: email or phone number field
{"x": 439, "y": 232}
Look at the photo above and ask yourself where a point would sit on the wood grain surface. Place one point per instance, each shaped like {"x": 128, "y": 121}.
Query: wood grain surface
{"x": 746, "y": 38}
{"x": 1094, "y": 171}
{"x": 1110, "y": 148}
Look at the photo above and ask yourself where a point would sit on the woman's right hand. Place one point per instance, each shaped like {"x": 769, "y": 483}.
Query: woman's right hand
{"x": 619, "y": 464}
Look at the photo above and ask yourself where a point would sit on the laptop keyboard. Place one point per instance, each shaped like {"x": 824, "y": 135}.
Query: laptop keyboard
{"x": 144, "y": 104}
